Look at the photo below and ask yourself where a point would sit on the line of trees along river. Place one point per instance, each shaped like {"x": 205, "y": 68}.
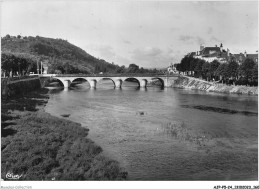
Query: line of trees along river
{"x": 229, "y": 73}
{"x": 23, "y": 64}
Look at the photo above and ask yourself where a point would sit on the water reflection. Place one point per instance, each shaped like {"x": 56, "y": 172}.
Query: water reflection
{"x": 143, "y": 89}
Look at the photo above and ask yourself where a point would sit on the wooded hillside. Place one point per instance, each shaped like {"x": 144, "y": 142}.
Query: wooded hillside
{"x": 61, "y": 56}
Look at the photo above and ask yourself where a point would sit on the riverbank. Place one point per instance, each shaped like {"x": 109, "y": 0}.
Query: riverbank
{"x": 13, "y": 86}
{"x": 38, "y": 146}
{"x": 198, "y": 84}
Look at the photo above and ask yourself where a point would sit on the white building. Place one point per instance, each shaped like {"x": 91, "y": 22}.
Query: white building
{"x": 210, "y": 54}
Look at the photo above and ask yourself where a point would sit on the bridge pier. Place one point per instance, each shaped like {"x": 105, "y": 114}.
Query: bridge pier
{"x": 66, "y": 83}
{"x": 93, "y": 83}
{"x": 143, "y": 83}
{"x": 118, "y": 83}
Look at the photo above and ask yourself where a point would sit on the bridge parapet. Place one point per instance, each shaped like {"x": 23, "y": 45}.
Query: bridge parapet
{"x": 110, "y": 75}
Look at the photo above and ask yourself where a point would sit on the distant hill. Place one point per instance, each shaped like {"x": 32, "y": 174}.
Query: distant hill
{"x": 60, "y": 55}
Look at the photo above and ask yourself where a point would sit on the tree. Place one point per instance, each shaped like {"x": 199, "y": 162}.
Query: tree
{"x": 178, "y": 67}
{"x": 21, "y": 63}
{"x": 193, "y": 64}
{"x": 221, "y": 71}
{"x": 133, "y": 68}
{"x": 120, "y": 69}
{"x": 247, "y": 69}
{"x": 185, "y": 64}
{"x": 57, "y": 71}
{"x": 142, "y": 70}
{"x": 97, "y": 68}
{"x": 213, "y": 68}
{"x": 255, "y": 72}
{"x": 67, "y": 68}
{"x": 232, "y": 69}
{"x": 32, "y": 67}
{"x": 198, "y": 68}
{"x": 205, "y": 70}
{"x": 7, "y": 62}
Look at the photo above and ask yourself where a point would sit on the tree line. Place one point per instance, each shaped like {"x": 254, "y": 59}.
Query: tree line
{"x": 15, "y": 64}
{"x": 228, "y": 73}
{"x": 133, "y": 68}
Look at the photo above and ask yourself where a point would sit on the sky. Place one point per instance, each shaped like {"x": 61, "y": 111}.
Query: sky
{"x": 151, "y": 34}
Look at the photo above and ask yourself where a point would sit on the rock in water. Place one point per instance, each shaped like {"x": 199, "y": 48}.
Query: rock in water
{"x": 140, "y": 113}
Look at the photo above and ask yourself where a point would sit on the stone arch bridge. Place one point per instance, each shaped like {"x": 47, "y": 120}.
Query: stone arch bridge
{"x": 66, "y": 80}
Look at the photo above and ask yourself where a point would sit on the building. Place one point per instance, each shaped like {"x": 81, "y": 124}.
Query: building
{"x": 172, "y": 69}
{"x": 210, "y": 54}
{"x": 242, "y": 56}
{"x": 44, "y": 67}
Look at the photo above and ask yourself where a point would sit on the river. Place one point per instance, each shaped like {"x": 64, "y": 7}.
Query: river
{"x": 167, "y": 134}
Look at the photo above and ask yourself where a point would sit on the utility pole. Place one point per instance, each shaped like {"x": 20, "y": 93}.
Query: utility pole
{"x": 41, "y": 67}
{"x": 37, "y": 66}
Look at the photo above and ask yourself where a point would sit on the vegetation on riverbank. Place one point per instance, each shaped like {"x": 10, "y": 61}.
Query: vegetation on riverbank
{"x": 39, "y": 146}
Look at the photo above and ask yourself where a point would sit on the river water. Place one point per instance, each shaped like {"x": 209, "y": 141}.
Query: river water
{"x": 167, "y": 134}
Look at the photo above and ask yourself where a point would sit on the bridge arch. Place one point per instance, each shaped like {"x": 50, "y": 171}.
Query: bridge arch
{"x": 61, "y": 82}
{"x": 80, "y": 79}
{"x": 161, "y": 80}
{"x": 133, "y": 79}
{"x": 107, "y": 78}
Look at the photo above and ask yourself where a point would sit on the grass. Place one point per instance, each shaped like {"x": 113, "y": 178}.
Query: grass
{"x": 39, "y": 146}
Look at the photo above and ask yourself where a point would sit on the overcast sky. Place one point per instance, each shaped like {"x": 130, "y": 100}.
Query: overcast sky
{"x": 147, "y": 33}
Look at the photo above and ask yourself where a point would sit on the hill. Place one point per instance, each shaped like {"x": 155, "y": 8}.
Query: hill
{"x": 60, "y": 55}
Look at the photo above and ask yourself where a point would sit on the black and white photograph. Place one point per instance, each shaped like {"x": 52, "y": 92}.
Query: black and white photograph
{"x": 136, "y": 94}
